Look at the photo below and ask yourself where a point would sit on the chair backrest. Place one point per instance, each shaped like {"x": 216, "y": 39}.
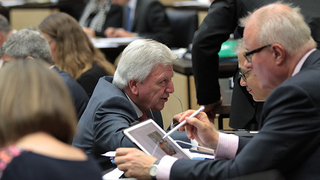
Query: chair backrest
{"x": 184, "y": 23}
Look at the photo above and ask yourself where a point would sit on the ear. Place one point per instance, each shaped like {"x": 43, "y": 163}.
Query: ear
{"x": 2, "y": 38}
{"x": 279, "y": 54}
{"x": 29, "y": 58}
{"x": 133, "y": 86}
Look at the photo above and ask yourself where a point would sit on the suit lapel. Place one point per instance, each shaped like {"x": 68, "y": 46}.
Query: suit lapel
{"x": 137, "y": 15}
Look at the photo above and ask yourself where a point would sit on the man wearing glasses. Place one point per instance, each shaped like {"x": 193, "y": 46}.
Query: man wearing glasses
{"x": 222, "y": 20}
{"x": 288, "y": 139}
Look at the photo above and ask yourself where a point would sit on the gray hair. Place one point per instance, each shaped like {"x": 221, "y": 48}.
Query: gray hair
{"x": 5, "y": 27}
{"x": 27, "y": 42}
{"x": 239, "y": 46}
{"x": 283, "y": 26}
{"x": 138, "y": 59}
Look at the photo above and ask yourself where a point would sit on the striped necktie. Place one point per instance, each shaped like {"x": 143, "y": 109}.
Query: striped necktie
{"x": 129, "y": 21}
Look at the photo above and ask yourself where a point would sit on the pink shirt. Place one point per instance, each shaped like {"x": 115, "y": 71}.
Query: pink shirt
{"x": 226, "y": 149}
{"x": 227, "y": 144}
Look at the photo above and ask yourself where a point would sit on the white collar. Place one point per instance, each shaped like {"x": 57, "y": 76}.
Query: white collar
{"x": 132, "y": 4}
{"x": 138, "y": 111}
{"x": 301, "y": 62}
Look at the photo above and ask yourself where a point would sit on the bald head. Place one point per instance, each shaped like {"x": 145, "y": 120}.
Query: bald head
{"x": 276, "y": 37}
{"x": 279, "y": 23}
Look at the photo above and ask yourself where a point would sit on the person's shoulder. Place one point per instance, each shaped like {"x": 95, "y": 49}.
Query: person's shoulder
{"x": 71, "y": 83}
{"x": 104, "y": 87}
{"x": 64, "y": 75}
{"x": 95, "y": 71}
{"x": 7, "y": 154}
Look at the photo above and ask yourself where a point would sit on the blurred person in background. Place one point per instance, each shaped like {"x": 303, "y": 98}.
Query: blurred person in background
{"x": 37, "y": 125}
{"x": 73, "y": 52}
{"x": 98, "y": 15}
{"x": 28, "y": 43}
{"x": 5, "y": 29}
{"x": 143, "y": 18}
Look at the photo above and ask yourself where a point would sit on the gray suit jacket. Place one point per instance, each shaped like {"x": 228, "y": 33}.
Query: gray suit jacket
{"x": 109, "y": 111}
{"x": 289, "y": 138}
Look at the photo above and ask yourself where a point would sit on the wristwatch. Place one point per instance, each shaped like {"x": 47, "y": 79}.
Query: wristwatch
{"x": 153, "y": 170}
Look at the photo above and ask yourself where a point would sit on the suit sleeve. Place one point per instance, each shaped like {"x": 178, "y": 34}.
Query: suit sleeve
{"x": 114, "y": 19}
{"x": 110, "y": 119}
{"x": 158, "y": 25}
{"x": 291, "y": 121}
{"x": 216, "y": 28}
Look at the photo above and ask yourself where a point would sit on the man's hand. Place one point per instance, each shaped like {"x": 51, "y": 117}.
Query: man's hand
{"x": 175, "y": 120}
{"x": 117, "y": 32}
{"x": 134, "y": 163}
{"x": 90, "y": 32}
{"x": 200, "y": 129}
{"x": 209, "y": 109}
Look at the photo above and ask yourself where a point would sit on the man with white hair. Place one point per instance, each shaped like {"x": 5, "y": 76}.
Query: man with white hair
{"x": 140, "y": 87}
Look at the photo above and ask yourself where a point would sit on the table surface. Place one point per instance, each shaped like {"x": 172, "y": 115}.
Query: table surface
{"x": 189, "y": 5}
{"x": 226, "y": 66}
{"x": 40, "y": 4}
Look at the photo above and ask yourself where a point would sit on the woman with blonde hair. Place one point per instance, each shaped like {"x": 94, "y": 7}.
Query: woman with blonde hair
{"x": 73, "y": 51}
{"x": 37, "y": 124}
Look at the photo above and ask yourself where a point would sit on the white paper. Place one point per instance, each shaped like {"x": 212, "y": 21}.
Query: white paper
{"x": 114, "y": 174}
{"x": 112, "y": 42}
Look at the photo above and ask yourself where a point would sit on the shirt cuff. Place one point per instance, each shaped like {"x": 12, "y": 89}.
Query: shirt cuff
{"x": 227, "y": 146}
{"x": 164, "y": 167}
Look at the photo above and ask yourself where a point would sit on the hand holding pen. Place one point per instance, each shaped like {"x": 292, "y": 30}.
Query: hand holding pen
{"x": 200, "y": 128}
{"x": 183, "y": 122}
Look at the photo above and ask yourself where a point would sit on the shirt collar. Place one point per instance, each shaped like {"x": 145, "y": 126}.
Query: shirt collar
{"x": 136, "y": 109}
{"x": 301, "y": 62}
{"x": 132, "y": 4}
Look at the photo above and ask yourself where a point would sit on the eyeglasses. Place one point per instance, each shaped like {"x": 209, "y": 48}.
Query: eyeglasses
{"x": 248, "y": 55}
{"x": 242, "y": 75}
{"x": 51, "y": 41}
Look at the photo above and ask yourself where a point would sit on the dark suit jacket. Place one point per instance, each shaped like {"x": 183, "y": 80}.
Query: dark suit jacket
{"x": 109, "y": 112}
{"x": 114, "y": 19}
{"x": 150, "y": 21}
{"x": 222, "y": 20}
{"x": 289, "y": 138}
{"x": 78, "y": 94}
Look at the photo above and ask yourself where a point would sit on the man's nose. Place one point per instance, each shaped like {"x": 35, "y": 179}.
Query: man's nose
{"x": 170, "y": 88}
{"x": 247, "y": 65}
{"x": 242, "y": 82}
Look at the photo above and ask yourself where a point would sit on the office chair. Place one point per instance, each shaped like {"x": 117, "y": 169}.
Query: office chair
{"x": 184, "y": 23}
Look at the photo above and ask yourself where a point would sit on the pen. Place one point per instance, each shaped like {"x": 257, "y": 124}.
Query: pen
{"x": 201, "y": 152}
{"x": 183, "y": 122}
